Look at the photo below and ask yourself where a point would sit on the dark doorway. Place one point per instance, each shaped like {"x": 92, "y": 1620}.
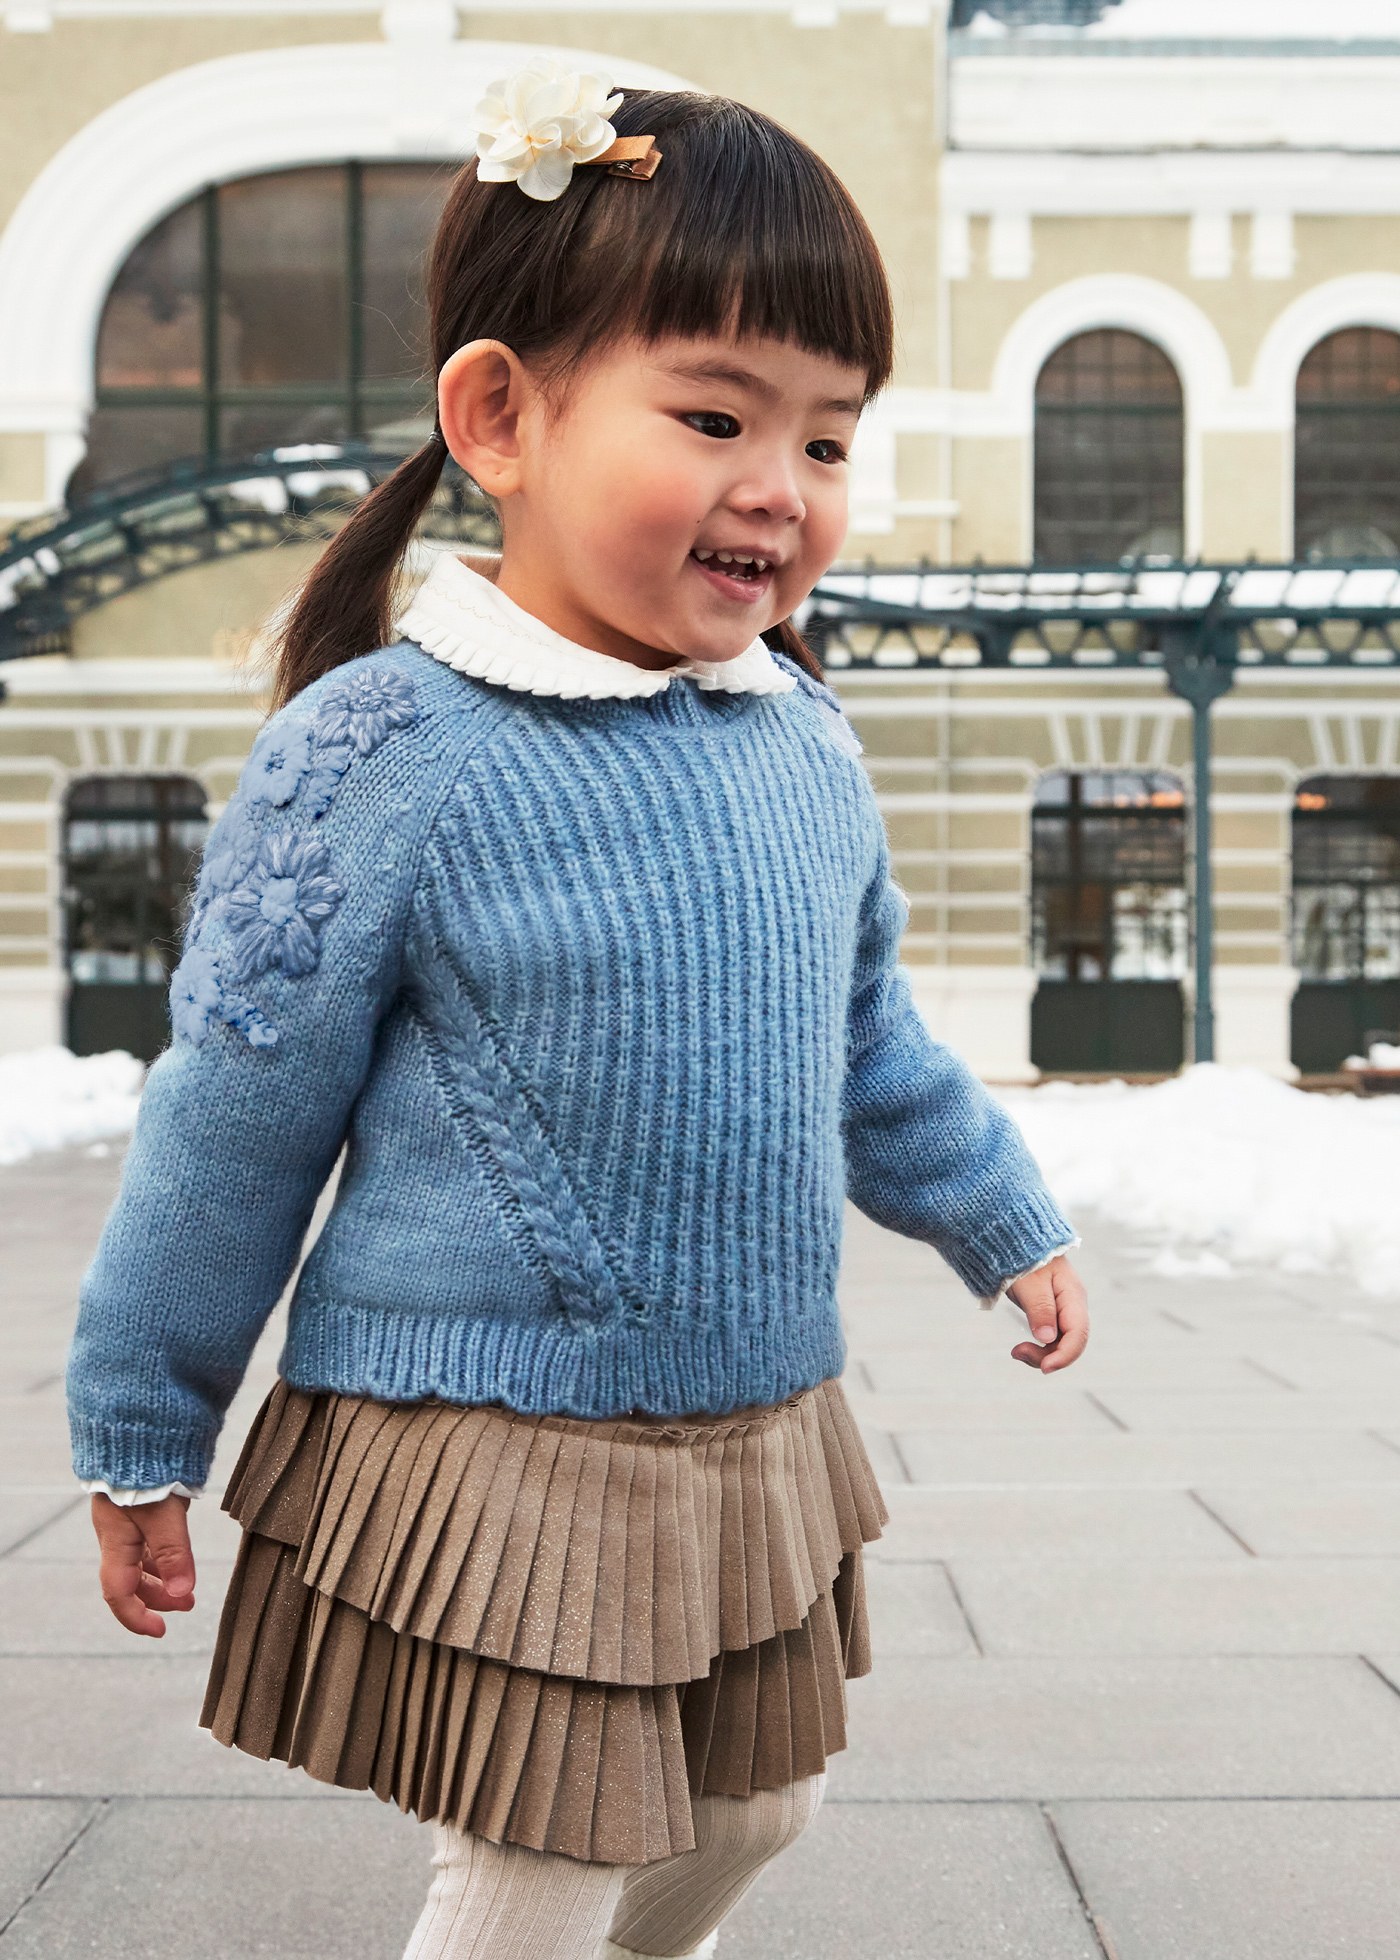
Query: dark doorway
{"x": 131, "y": 848}
{"x": 1346, "y": 917}
{"x": 1109, "y": 924}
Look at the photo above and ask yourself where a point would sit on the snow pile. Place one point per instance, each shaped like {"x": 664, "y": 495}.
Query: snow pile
{"x": 1226, "y": 1167}
{"x": 1231, "y": 20}
{"x": 50, "y": 1097}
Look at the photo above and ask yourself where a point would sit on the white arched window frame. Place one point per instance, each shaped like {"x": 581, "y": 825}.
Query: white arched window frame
{"x": 1368, "y": 299}
{"x": 1161, "y": 315}
{"x": 155, "y": 148}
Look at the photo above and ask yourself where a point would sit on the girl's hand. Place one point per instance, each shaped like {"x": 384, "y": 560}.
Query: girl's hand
{"x": 1057, "y": 1307}
{"x": 146, "y": 1560}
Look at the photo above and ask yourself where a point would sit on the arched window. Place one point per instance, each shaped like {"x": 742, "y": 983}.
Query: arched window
{"x": 276, "y": 309}
{"x": 1346, "y": 451}
{"x": 1109, "y": 450}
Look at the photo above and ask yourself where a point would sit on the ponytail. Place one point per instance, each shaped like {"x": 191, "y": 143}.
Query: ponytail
{"x": 347, "y": 604}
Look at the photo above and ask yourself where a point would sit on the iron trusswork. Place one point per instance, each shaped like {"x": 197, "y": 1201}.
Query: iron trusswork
{"x": 143, "y": 527}
{"x": 1197, "y": 623}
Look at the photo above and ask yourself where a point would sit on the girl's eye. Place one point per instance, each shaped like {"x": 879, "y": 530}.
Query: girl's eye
{"x": 717, "y": 415}
{"x": 713, "y": 415}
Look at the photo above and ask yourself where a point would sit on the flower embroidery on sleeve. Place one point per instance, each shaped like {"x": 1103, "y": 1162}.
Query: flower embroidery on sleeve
{"x": 276, "y": 915}
{"x": 364, "y": 707}
{"x": 280, "y": 758}
{"x": 263, "y": 896}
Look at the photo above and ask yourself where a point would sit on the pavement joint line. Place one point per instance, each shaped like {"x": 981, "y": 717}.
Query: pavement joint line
{"x": 1270, "y": 1374}
{"x": 864, "y": 1369}
{"x": 1177, "y": 1320}
{"x": 896, "y": 1450}
{"x": 1104, "y": 1410}
{"x": 17, "y": 1544}
{"x": 1210, "y": 1512}
{"x": 961, "y": 1605}
{"x": 1101, "y": 1937}
{"x": 99, "y": 1805}
{"x": 1383, "y": 1440}
{"x": 1379, "y": 1672}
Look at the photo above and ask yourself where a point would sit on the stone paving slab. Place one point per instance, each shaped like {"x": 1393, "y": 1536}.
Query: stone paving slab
{"x": 913, "y": 1370}
{"x": 50, "y": 1607}
{"x": 914, "y": 1610}
{"x": 25, "y": 1512}
{"x": 1105, "y": 1726}
{"x": 1119, "y": 1458}
{"x": 129, "y": 1727}
{"x": 231, "y": 1880}
{"x": 1188, "y": 1606}
{"x": 1066, "y": 1413}
{"x": 71, "y": 1538}
{"x": 1292, "y": 1521}
{"x": 1157, "y": 1409}
{"x": 896, "y": 1881}
{"x": 1239, "y": 1881}
{"x": 1048, "y": 1523}
{"x": 33, "y": 1837}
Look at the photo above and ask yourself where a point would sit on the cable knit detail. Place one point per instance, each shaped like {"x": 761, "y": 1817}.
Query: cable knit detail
{"x": 461, "y": 618}
{"x": 602, "y": 1002}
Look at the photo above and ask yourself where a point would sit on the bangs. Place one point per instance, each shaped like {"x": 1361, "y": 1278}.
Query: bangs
{"x": 743, "y": 231}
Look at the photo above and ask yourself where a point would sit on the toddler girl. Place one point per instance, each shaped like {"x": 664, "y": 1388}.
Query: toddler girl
{"x": 561, "y": 901}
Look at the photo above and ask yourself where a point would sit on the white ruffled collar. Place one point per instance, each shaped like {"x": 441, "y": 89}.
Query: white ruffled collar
{"x": 460, "y": 617}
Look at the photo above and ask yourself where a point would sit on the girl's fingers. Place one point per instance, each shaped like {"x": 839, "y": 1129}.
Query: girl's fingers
{"x": 1054, "y": 1302}
{"x": 146, "y": 1561}
{"x": 1034, "y": 1294}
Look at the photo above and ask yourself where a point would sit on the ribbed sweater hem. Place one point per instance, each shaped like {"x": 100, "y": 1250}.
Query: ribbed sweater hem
{"x": 665, "y": 1369}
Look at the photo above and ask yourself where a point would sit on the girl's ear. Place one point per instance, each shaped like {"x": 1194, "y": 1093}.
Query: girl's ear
{"x": 482, "y": 389}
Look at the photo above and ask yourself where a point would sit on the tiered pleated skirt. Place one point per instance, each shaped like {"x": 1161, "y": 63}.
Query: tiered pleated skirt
{"x": 546, "y": 1630}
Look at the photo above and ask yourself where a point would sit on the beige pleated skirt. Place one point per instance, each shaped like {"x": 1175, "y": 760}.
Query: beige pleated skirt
{"x": 546, "y": 1630}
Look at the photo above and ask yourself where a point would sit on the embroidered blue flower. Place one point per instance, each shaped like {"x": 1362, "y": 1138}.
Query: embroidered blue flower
{"x": 195, "y": 994}
{"x": 280, "y": 758}
{"x": 364, "y": 707}
{"x": 328, "y": 766}
{"x": 276, "y": 915}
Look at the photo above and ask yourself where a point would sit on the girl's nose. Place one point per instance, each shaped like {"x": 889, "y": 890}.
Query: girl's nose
{"x": 772, "y": 492}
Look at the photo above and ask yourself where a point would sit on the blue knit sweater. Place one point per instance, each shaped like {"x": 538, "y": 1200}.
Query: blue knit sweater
{"x": 599, "y": 989}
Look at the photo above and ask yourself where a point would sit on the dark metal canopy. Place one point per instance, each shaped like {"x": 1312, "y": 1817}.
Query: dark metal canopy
{"x": 1197, "y": 623}
{"x": 143, "y": 527}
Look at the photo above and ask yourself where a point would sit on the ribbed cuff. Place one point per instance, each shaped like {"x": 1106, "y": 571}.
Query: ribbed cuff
{"x": 1009, "y": 1245}
{"x": 131, "y": 1456}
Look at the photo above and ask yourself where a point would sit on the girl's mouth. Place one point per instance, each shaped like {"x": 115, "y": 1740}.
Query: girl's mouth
{"x": 746, "y": 583}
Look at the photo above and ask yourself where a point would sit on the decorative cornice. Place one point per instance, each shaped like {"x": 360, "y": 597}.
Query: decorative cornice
{"x": 460, "y": 617}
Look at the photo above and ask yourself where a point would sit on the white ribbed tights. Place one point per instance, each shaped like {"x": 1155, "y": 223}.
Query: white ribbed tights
{"x": 509, "y": 1902}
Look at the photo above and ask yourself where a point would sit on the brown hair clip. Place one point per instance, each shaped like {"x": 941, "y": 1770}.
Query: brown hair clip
{"x": 630, "y": 156}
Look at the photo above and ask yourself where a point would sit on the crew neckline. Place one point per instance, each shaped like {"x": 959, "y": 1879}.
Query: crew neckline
{"x": 461, "y": 617}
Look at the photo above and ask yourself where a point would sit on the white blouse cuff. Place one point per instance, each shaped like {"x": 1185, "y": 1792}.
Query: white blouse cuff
{"x": 122, "y": 1496}
{"x": 987, "y": 1300}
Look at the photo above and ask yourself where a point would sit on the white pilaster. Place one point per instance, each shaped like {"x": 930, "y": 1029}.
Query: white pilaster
{"x": 1252, "y": 1006}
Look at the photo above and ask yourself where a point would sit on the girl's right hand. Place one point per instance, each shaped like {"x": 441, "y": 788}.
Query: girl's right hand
{"x": 146, "y": 1560}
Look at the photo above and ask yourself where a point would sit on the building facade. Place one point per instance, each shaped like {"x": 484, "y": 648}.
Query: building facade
{"x": 1144, "y": 264}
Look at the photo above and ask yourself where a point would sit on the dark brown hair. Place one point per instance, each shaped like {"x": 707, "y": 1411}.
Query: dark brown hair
{"x": 743, "y": 230}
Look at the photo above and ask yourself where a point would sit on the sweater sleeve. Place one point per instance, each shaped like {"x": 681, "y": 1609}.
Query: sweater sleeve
{"x": 289, "y": 961}
{"x": 929, "y": 1152}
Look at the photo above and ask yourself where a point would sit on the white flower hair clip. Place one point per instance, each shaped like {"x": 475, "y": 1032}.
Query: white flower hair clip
{"x": 535, "y": 125}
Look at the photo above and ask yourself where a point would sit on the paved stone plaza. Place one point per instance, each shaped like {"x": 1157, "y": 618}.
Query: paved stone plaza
{"x": 1136, "y": 1628}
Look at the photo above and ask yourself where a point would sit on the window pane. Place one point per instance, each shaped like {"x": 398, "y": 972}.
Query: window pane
{"x": 1346, "y": 877}
{"x": 1346, "y": 473}
{"x": 1108, "y": 889}
{"x": 1109, "y": 446}
{"x": 152, "y": 331}
{"x": 254, "y": 426}
{"x": 402, "y": 204}
{"x": 283, "y": 305}
{"x": 134, "y": 438}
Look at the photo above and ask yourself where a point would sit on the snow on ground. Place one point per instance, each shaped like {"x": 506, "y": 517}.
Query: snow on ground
{"x": 1221, "y": 1168}
{"x": 1232, "y": 20}
{"x": 50, "y": 1097}
{"x": 1217, "y": 1169}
